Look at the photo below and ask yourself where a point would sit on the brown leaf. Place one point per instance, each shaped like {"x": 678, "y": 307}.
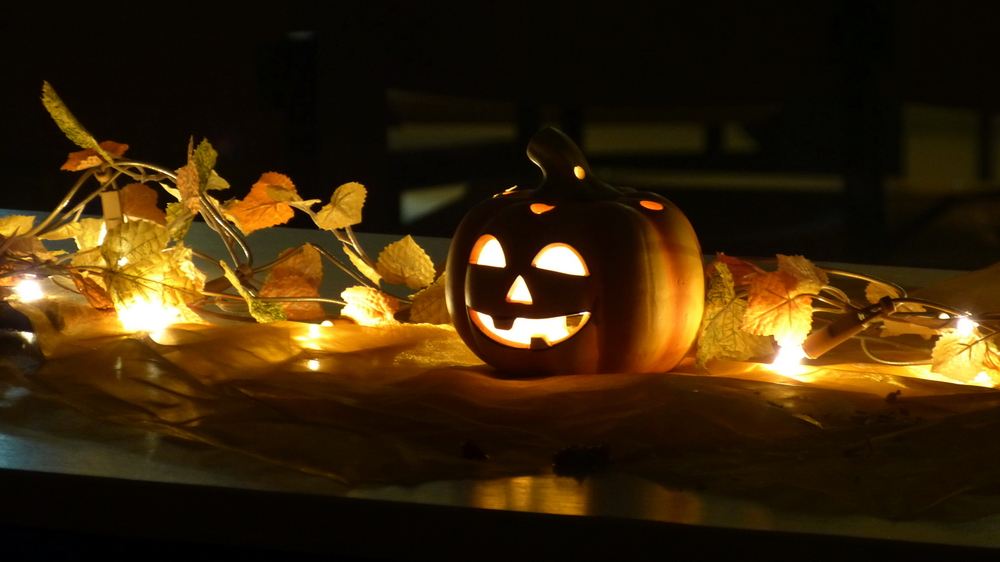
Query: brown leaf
{"x": 777, "y": 308}
{"x": 739, "y": 269}
{"x": 88, "y": 158}
{"x": 369, "y": 307}
{"x": 259, "y": 210}
{"x": 139, "y": 202}
{"x": 97, "y": 297}
{"x": 298, "y": 276}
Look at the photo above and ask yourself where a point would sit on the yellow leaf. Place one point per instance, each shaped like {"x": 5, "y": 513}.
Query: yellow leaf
{"x": 72, "y": 128}
{"x": 720, "y": 335}
{"x": 369, "y": 307}
{"x": 361, "y": 266}
{"x": 179, "y": 219}
{"x": 215, "y": 182}
{"x": 16, "y": 224}
{"x": 406, "y": 262}
{"x": 959, "y": 357}
{"x": 188, "y": 183}
{"x": 810, "y": 278}
{"x": 262, "y": 312}
{"x": 88, "y": 235}
{"x": 777, "y": 308}
{"x": 344, "y": 208}
{"x": 298, "y": 276}
{"x": 429, "y": 305}
{"x": 139, "y": 202}
{"x": 142, "y": 268}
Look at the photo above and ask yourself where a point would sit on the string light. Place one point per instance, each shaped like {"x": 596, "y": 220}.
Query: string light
{"x": 145, "y": 316}
{"x": 29, "y": 289}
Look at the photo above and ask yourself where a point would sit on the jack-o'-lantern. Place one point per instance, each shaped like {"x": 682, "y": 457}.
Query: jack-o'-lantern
{"x": 575, "y": 276}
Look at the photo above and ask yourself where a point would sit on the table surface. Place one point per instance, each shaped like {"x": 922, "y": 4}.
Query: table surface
{"x": 62, "y": 470}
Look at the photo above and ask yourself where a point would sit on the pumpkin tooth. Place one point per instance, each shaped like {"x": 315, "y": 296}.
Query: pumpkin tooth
{"x": 539, "y": 342}
{"x": 503, "y": 322}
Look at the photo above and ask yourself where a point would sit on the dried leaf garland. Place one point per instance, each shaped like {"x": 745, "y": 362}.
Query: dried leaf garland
{"x": 139, "y": 201}
{"x": 66, "y": 122}
{"x": 88, "y": 158}
{"x": 299, "y": 275}
{"x": 776, "y": 307}
{"x": 429, "y": 306}
{"x": 720, "y": 336}
{"x": 259, "y": 210}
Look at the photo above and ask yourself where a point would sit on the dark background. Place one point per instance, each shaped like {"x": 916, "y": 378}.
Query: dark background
{"x": 825, "y": 91}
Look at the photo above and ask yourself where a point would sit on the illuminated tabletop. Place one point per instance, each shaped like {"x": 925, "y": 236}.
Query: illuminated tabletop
{"x": 61, "y": 470}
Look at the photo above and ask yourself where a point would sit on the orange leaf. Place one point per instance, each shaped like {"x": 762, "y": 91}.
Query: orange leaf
{"x": 259, "y": 210}
{"x": 139, "y": 201}
{"x": 777, "y": 308}
{"x": 298, "y": 276}
{"x": 88, "y": 158}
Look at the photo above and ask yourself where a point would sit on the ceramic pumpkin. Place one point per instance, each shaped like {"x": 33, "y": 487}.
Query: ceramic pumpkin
{"x": 575, "y": 276}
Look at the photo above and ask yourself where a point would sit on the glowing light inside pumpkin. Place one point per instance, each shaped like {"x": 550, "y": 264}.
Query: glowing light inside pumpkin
{"x": 539, "y": 208}
{"x": 29, "y": 289}
{"x": 579, "y": 172}
{"x": 146, "y": 316}
{"x": 519, "y": 292}
{"x": 788, "y": 362}
{"x": 652, "y": 205}
{"x": 545, "y": 331}
{"x": 562, "y": 259}
{"x": 488, "y": 252}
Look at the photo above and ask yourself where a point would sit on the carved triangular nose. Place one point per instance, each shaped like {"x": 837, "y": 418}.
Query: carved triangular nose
{"x": 519, "y": 292}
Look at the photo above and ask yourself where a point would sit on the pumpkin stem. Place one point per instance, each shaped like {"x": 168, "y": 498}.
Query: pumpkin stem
{"x": 566, "y": 173}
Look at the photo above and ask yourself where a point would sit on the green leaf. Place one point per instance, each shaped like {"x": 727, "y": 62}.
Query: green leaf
{"x": 262, "y": 312}
{"x": 72, "y": 128}
{"x": 204, "y": 159}
{"x": 720, "y": 336}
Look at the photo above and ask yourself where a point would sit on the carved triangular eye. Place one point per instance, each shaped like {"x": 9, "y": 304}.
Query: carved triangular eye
{"x": 561, "y": 258}
{"x": 488, "y": 252}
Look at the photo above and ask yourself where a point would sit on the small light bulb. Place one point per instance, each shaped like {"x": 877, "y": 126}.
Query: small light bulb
{"x": 326, "y": 323}
{"x": 314, "y": 331}
{"x": 29, "y": 290}
{"x": 964, "y": 326}
{"x": 788, "y": 361}
{"x": 313, "y": 364}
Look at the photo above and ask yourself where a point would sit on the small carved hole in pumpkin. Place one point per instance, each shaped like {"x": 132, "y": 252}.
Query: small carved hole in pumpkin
{"x": 539, "y": 208}
{"x": 487, "y": 251}
{"x": 561, "y": 258}
{"x": 579, "y": 172}
{"x": 652, "y": 205}
{"x": 519, "y": 292}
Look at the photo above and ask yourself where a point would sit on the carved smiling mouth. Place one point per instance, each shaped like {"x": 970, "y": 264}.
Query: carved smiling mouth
{"x": 529, "y": 333}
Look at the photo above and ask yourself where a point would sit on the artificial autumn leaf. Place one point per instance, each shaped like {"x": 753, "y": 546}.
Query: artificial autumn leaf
{"x": 139, "y": 202}
{"x": 188, "y": 183}
{"x": 216, "y": 182}
{"x": 263, "y": 312}
{"x": 88, "y": 235}
{"x": 777, "y": 308}
{"x": 369, "y": 307}
{"x": 179, "y": 219}
{"x": 361, "y": 266}
{"x": 12, "y": 225}
{"x": 810, "y": 278}
{"x": 64, "y": 232}
{"x": 259, "y": 210}
{"x": 429, "y": 306}
{"x": 405, "y": 262}
{"x": 95, "y": 293}
{"x": 299, "y": 275}
{"x": 141, "y": 268}
{"x": 720, "y": 335}
{"x": 344, "y": 208}
{"x": 204, "y": 158}
{"x": 962, "y": 356}
{"x": 88, "y": 158}
{"x": 740, "y": 270}
{"x": 72, "y": 128}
